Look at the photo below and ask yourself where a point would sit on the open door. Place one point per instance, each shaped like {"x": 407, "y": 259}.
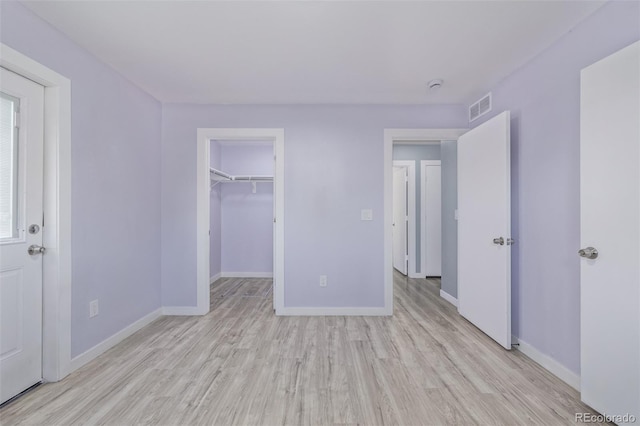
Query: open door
{"x": 610, "y": 234}
{"x": 400, "y": 220}
{"x": 484, "y": 228}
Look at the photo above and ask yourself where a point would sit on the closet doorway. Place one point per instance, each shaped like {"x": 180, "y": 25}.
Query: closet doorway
{"x": 241, "y": 216}
{"x": 240, "y": 212}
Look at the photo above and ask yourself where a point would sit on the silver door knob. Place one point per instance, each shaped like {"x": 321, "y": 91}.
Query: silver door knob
{"x": 498, "y": 241}
{"x": 34, "y": 249}
{"x": 589, "y": 253}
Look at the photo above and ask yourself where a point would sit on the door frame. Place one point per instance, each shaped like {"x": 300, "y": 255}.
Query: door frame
{"x": 410, "y": 165}
{"x": 204, "y": 137}
{"x": 423, "y": 204}
{"x": 391, "y": 136}
{"x": 56, "y": 235}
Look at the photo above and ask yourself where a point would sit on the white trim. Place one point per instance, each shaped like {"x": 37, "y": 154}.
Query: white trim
{"x": 182, "y": 311}
{"x": 342, "y": 312}
{"x": 215, "y": 278}
{"x": 56, "y": 321}
{"x": 401, "y": 135}
{"x": 205, "y": 135}
{"x": 110, "y": 342}
{"x": 449, "y": 298}
{"x": 423, "y": 216}
{"x": 410, "y": 165}
{"x": 246, "y": 274}
{"x": 548, "y": 363}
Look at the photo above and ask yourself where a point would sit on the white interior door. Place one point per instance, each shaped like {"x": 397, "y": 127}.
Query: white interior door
{"x": 21, "y": 174}
{"x": 484, "y": 228}
{"x": 610, "y": 223}
{"x": 432, "y": 212}
{"x": 275, "y": 251}
{"x": 400, "y": 220}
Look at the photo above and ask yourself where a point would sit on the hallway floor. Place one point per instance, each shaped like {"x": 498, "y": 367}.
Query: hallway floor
{"x": 242, "y": 365}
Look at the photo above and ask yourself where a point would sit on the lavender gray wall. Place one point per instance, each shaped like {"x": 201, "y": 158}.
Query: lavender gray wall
{"x": 417, "y": 153}
{"x": 215, "y": 216}
{"x": 334, "y": 165}
{"x": 115, "y": 182}
{"x": 544, "y": 99}
{"x": 247, "y": 218}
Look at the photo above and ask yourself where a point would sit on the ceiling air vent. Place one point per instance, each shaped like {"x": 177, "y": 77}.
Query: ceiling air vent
{"x": 480, "y": 108}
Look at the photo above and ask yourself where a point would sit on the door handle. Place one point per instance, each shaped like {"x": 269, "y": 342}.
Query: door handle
{"x": 34, "y": 249}
{"x": 589, "y": 253}
{"x": 498, "y": 241}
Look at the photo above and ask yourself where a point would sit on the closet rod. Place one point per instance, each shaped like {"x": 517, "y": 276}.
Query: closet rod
{"x": 220, "y": 173}
{"x": 253, "y": 178}
{"x": 240, "y": 178}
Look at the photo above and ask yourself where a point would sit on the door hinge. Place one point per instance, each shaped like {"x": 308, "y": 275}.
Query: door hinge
{"x": 16, "y": 119}
{"x": 406, "y": 218}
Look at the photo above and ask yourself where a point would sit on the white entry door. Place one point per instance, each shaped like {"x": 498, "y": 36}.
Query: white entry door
{"x": 21, "y": 174}
{"x": 610, "y": 224}
{"x": 484, "y": 228}
{"x": 400, "y": 220}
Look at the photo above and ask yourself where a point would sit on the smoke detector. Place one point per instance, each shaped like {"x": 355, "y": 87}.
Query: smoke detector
{"x": 435, "y": 84}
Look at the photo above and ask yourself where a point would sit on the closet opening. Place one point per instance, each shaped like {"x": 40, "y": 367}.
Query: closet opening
{"x": 234, "y": 241}
{"x": 242, "y": 221}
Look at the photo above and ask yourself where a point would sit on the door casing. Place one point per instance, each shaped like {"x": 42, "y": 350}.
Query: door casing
{"x": 204, "y": 138}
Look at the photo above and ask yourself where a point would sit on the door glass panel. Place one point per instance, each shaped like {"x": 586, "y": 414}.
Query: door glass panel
{"x": 8, "y": 167}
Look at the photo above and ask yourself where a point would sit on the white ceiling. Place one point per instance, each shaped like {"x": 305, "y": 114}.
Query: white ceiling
{"x": 318, "y": 52}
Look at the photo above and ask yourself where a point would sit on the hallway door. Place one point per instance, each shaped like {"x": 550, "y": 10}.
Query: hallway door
{"x": 21, "y": 221}
{"x": 400, "y": 220}
{"x": 610, "y": 224}
{"x": 484, "y": 228}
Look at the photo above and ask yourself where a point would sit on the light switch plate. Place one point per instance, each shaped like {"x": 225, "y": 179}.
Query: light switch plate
{"x": 323, "y": 280}
{"x": 366, "y": 214}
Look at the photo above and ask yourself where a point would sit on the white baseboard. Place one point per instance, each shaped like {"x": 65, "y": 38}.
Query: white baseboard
{"x": 110, "y": 342}
{"x": 246, "y": 274}
{"x": 449, "y": 298}
{"x": 215, "y": 278}
{"x": 347, "y": 312}
{"x": 415, "y": 275}
{"x": 550, "y": 364}
{"x": 182, "y": 311}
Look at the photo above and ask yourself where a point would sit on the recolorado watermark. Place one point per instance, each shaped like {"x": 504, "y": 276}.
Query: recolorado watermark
{"x": 601, "y": 418}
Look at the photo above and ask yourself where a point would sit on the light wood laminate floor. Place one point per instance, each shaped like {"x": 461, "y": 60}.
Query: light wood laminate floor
{"x": 242, "y": 365}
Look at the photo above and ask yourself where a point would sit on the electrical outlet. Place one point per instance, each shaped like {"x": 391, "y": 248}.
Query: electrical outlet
{"x": 93, "y": 308}
{"x": 323, "y": 280}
